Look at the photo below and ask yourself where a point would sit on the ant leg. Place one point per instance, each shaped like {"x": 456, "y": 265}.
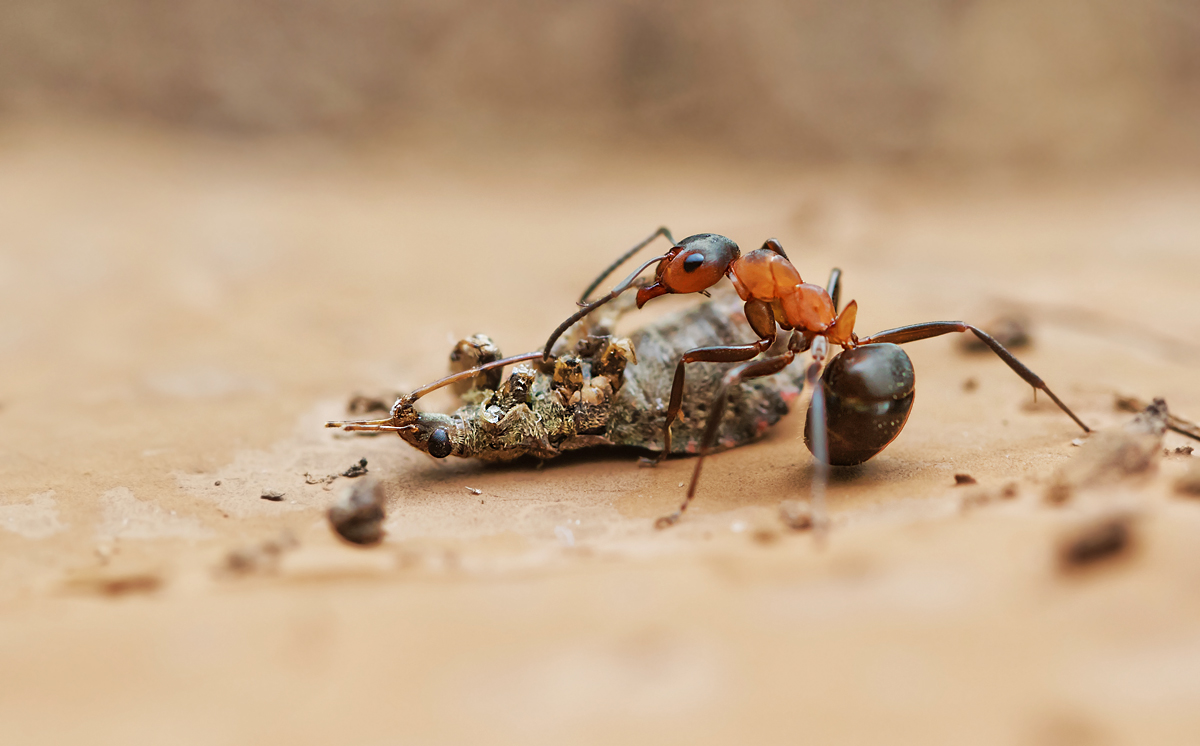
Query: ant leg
{"x": 756, "y": 369}
{"x": 834, "y": 288}
{"x": 723, "y": 354}
{"x": 663, "y": 231}
{"x": 930, "y": 329}
{"x": 820, "y": 447}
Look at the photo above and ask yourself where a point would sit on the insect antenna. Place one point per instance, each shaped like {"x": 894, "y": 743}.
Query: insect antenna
{"x": 663, "y": 231}
{"x": 404, "y": 402}
{"x": 624, "y": 285}
{"x": 371, "y": 426}
{"x": 463, "y": 375}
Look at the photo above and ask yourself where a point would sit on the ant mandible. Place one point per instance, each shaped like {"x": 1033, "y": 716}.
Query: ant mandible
{"x": 867, "y": 389}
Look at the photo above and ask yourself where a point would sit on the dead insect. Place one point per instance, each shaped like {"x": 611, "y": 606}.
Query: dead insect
{"x": 598, "y": 394}
{"x": 866, "y": 390}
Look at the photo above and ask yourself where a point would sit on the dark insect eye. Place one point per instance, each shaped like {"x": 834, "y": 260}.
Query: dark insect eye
{"x": 439, "y": 444}
{"x": 693, "y": 262}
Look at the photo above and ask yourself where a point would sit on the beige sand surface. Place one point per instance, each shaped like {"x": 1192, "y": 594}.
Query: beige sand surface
{"x": 178, "y": 313}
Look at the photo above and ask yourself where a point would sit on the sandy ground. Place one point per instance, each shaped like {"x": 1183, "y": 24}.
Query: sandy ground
{"x": 180, "y": 316}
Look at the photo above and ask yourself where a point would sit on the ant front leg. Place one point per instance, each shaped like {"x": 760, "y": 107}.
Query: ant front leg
{"x": 744, "y": 372}
{"x": 928, "y": 330}
{"x": 762, "y": 321}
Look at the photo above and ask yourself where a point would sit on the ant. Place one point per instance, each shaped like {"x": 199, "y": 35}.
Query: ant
{"x": 866, "y": 390}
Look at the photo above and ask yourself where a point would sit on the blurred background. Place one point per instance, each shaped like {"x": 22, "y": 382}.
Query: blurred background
{"x": 965, "y": 82}
{"x": 221, "y": 218}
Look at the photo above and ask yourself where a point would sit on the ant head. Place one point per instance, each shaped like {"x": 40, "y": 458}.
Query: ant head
{"x": 695, "y": 264}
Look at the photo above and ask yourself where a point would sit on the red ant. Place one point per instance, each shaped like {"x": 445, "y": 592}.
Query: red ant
{"x": 867, "y": 389}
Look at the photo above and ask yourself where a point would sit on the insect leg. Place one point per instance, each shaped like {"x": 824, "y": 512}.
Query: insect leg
{"x": 755, "y": 369}
{"x": 915, "y": 332}
{"x": 819, "y": 439}
{"x": 835, "y": 287}
{"x": 663, "y": 231}
{"x": 722, "y": 354}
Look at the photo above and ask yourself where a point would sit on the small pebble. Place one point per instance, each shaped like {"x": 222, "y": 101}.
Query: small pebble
{"x": 473, "y": 491}
{"x": 961, "y": 479}
{"x": 272, "y": 495}
{"x": 358, "y": 517}
{"x": 1101, "y": 540}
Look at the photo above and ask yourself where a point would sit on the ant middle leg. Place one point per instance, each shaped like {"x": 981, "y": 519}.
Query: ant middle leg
{"x": 789, "y": 510}
{"x": 834, "y": 288}
{"x": 734, "y": 377}
{"x": 930, "y": 329}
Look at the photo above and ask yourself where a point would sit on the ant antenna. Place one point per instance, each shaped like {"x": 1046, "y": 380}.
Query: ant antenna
{"x": 624, "y": 285}
{"x": 663, "y": 231}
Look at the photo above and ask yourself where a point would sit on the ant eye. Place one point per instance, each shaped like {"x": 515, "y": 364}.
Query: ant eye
{"x": 439, "y": 444}
{"x": 693, "y": 262}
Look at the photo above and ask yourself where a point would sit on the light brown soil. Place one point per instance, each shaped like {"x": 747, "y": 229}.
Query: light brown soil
{"x": 179, "y": 312}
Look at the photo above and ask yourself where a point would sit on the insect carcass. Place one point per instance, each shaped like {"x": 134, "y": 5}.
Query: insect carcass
{"x": 600, "y": 390}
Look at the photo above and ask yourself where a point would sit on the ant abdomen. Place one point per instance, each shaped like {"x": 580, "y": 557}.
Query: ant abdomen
{"x": 868, "y": 395}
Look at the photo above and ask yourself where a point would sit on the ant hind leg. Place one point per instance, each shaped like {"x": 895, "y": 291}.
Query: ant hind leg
{"x": 930, "y": 329}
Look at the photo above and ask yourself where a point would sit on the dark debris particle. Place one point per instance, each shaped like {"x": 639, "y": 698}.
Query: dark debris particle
{"x": 1188, "y": 484}
{"x": 357, "y": 470}
{"x": 1102, "y": 540}
{"x": 961, "y": 479}
{"x": 272, "y": 495}
{"x": 366, "y": 404}
{"x": 765, "y": 536}
{"x": 796, "y": 515}
{"x": 130, "y": 584}
{"x": 217, "y": 483}
{"x": 1184, "y": 451}
{"x": 358, "y": 517}
{"x": 263, "y": 556}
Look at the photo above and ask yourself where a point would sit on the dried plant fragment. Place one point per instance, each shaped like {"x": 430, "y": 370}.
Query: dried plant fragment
{"x": 1112, "y": 455}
